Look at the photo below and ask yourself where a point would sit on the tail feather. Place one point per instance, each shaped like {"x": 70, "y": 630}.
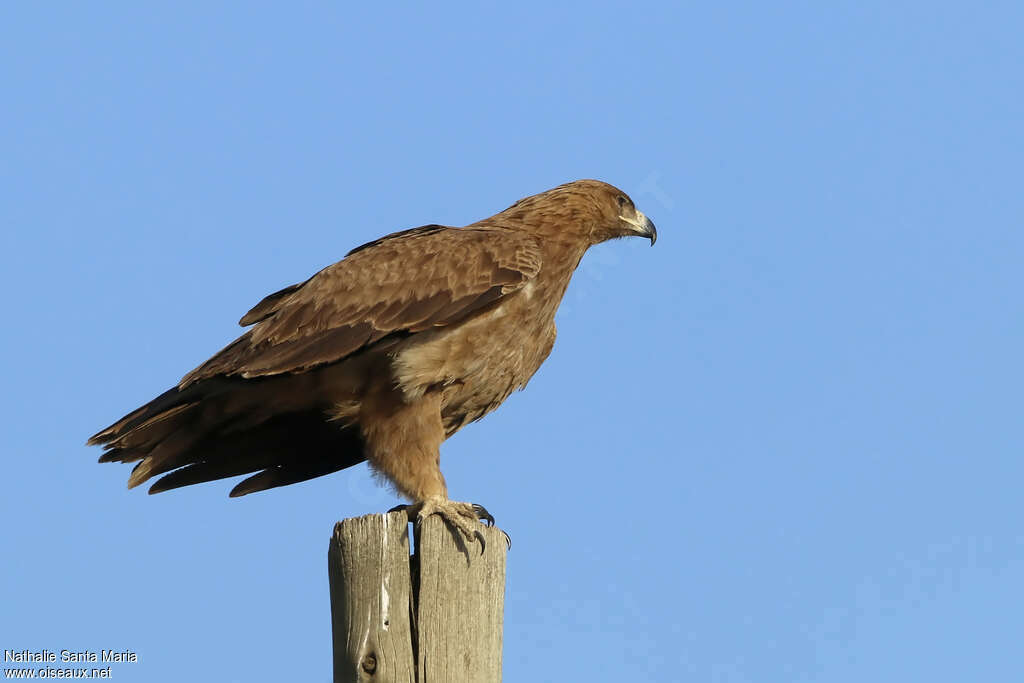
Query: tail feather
{"x": 122, "y": 455}
{"x": 225, "y": 427}
{"x": 155, "y": 429}
{"x": 200, "y": 472}
{"x": 173, "y": 450}
{"x": 165, "y": 401}
{"x": 169, "y": 405}
{"x": 289, "y": 449}
{"x": 283, "y": 475}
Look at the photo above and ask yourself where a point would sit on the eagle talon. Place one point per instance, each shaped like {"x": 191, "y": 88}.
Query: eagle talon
{"x": 483, "y": 543}
{"x": 416, "y": 514}
{"x": 482, "y": 514}
{"x": 461, "y": 518}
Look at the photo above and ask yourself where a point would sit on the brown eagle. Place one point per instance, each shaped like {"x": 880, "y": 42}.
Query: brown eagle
{"x": 380, "y": 357}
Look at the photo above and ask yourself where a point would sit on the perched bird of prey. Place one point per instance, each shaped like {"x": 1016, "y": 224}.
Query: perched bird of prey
{"x": 380, "y": 357}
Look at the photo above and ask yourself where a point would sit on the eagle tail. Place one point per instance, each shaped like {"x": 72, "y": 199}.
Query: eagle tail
{"x": 218, "y": 428}
{"x": 162, "y": 404}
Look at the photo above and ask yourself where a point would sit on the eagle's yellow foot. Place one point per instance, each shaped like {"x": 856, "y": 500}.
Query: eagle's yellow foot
{"x": 463, "y": 518}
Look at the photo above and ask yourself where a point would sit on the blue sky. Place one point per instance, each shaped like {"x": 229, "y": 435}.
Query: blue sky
{"x": 782, "y": 445}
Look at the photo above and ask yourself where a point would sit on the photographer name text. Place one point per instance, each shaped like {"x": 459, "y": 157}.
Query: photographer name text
{"x": 50, "y": 656}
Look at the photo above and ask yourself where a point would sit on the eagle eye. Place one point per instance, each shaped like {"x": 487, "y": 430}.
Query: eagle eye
{"x": 622, "y": 201}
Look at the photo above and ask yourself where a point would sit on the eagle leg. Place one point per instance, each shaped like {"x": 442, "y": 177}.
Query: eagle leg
{"x": 403, "y": 444}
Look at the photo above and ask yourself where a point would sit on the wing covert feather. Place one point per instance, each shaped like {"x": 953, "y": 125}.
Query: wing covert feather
{"x": 403, "y": 283}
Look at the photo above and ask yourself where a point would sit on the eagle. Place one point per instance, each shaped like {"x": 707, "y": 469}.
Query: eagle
{"x": 379, "y": 357}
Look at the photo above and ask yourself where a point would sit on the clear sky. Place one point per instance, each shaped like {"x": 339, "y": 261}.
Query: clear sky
{"x": 785, "y": 444}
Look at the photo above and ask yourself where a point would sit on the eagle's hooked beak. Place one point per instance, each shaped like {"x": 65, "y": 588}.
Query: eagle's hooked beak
{"x": 643, "y": 225}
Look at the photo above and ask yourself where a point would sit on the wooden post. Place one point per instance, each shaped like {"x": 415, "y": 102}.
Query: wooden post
{"x": 368, "y": 566}
{"x": 435, "y": 616}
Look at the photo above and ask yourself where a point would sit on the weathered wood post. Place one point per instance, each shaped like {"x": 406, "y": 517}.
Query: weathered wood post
{"x": 434, "y": 616}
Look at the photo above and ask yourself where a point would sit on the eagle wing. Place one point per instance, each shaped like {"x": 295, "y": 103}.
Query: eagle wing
{"x": 403, "y": 283}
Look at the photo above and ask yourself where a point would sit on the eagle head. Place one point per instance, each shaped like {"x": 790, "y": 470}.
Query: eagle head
{"x": 590, "y": 211}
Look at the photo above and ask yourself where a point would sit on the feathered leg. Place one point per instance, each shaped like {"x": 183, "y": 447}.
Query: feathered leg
{"x": 403, "y": 443}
